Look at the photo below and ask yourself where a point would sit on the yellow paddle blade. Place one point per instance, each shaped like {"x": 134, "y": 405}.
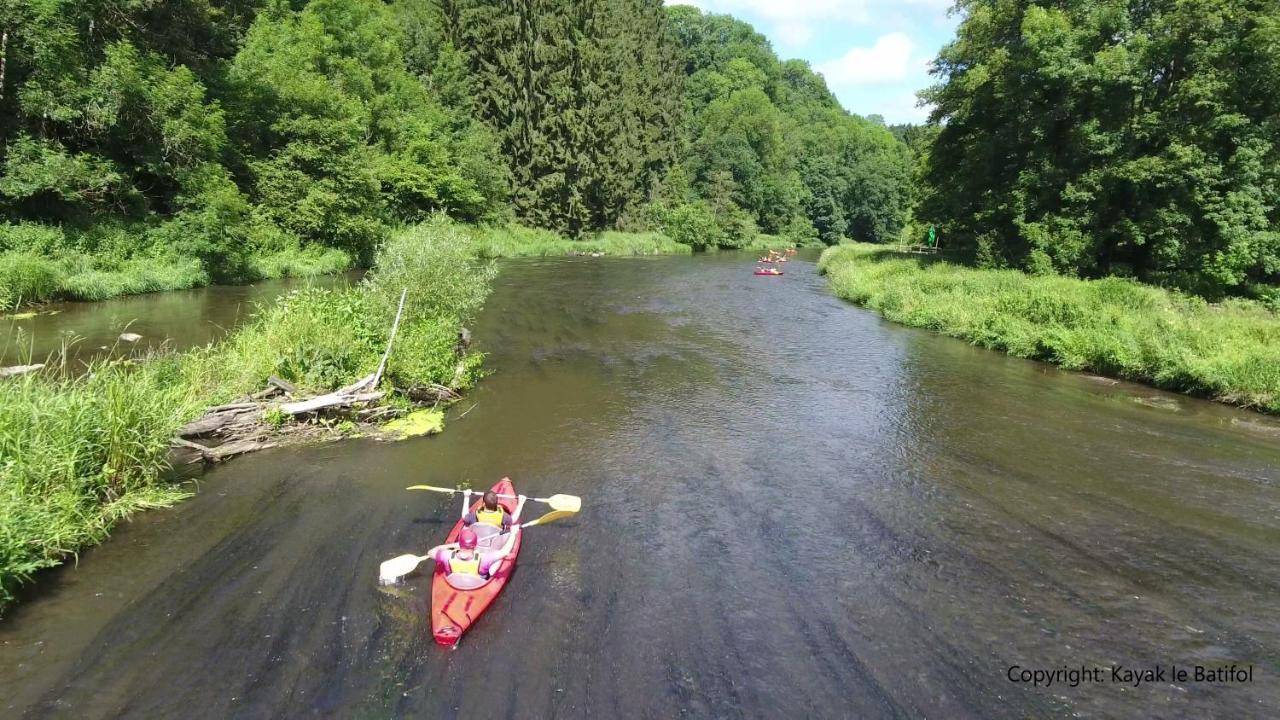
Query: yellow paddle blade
{"x": 397, "y": 567}
{"x": 432, "y": 488}
{"x": 549, "y": 517}
{"x": 566, "y": 503}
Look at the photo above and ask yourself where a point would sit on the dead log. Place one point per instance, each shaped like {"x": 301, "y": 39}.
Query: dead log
{"x": 222, "y": 452}
{"x": 16, "y": 370}
{"x": 332, "y": 400}
{"x": 220, "y": 422}
{"x": 282, "y": 384}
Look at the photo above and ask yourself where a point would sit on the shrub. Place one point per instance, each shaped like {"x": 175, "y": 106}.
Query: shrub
{"x": 26, "y": 278}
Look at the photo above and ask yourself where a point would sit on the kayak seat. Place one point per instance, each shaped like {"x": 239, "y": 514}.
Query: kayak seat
{"x": 463, "y": 581}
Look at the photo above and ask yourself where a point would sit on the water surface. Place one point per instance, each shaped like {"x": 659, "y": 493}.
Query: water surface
{"x": 791, "y": 509}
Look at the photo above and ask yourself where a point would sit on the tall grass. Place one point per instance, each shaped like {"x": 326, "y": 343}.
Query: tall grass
{"x": 1229, "y": 352}
{"x": 78, "y": 454}
{"x": 29, "y": 278}
{"x": 519, "y": 241}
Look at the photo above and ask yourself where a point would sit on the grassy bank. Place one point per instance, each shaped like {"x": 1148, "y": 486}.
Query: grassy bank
{"x": 519, "y": 241}
{"x": 76, "y": 455}
{"x": 28, "y": 278}
{"x": 1229, "y": 352}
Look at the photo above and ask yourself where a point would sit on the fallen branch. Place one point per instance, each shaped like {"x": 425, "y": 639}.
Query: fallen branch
{"x": 16, "y": 370}
{"x": 335, "y": 399}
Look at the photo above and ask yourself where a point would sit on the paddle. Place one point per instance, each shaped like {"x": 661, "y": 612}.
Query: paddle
{"x": 392, "y": 570}
{"x": 570, "y": 503}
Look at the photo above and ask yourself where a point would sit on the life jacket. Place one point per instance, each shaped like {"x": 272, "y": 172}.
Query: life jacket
{"x": 466, "y": 567}
{"x": 490, "y": 517}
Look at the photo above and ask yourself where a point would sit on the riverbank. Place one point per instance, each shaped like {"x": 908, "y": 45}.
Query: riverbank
{"x": 1229, "y": 351}
{"x": 512, "y": 241}
{"x": 78, "y": 454}
{"x": 30, "y": 279}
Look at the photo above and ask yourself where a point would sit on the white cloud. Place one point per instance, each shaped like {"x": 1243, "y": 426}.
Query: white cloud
{"x": 793, "y": 34}
{"x": 889, "y": 60}
{"x": 904, "y": 109}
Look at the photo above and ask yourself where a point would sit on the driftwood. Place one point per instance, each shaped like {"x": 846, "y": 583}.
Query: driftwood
{"x": 224, "y": 451}
{"x": 16, "y": 370}
{"x": 332, "y": 400}
{"x": 220, "y": 422}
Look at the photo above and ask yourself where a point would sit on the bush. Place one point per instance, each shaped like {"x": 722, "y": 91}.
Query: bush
{"x": 31, "y": 238}
{"x": 26, "y": 278}
{"x": 436, "y": 262}
{"x": 693, "y": 224}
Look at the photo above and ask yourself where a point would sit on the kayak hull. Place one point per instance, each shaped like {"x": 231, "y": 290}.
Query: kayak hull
{"x": 453, "y": 609}
{"x": 766, "y": 274}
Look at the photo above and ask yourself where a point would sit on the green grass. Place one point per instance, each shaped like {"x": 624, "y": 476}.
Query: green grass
{"x": 1228, "y": 352}
{"x": 78, "y": 454}
{"x": 44, "y": 269}
{"x": 519, "y": 241}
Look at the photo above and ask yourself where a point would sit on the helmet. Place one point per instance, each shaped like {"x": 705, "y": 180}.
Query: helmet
{"x": 467, "y": 539}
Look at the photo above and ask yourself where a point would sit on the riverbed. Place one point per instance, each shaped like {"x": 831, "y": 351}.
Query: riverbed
{"x": 791, "y": 508}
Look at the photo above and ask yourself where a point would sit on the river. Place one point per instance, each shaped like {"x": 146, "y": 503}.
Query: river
{"x": 167, "y": 320}
{"x": 792, "y": 508}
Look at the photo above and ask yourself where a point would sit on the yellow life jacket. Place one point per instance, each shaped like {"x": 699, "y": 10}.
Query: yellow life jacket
{"x": 466, "y": 567}
{"x": 490, "y": 517}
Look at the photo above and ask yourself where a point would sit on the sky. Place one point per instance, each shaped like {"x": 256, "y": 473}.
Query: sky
{"x": 874, "y": 53}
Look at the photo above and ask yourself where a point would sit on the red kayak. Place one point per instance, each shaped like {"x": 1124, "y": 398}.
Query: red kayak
{"x": 458, "y": 601}
{"x": 768, "y": 272}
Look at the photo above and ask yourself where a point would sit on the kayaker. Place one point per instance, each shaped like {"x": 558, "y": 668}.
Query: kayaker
{"x": 490, "y": 513}
{"x": 463, "y": 558}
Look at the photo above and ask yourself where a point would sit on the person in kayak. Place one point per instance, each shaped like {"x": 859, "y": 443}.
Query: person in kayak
{"x": 463, "y": 558}
{"x": 489, "y": 513}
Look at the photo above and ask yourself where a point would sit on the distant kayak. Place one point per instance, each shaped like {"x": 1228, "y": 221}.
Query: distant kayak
{"x": 458, "y": 601}
{"x": 770, "y": 271}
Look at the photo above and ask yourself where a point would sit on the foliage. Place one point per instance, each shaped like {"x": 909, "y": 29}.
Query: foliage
{"x": 437, "y": 265}
{"x": 79, "y": 453}
{"x": 518, "y": 241}
{"x": 1229, "y": 352}
{"x": 769, "y": 144}
{"x": 584, "y": 98}
{"x": 1112, "y": 137}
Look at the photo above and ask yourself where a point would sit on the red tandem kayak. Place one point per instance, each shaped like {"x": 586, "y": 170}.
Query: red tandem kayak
{"x": 457, "y": 602}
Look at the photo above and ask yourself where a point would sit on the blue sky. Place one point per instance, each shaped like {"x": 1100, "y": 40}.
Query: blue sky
{"x": 873, "y": 53}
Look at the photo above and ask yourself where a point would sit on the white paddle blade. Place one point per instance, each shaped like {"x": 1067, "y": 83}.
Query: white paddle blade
{"x": 568, "y": 503}
{"x": 390, "y": 572}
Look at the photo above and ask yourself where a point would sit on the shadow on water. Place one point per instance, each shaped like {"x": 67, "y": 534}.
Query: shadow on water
{"x": 792, "y": 508}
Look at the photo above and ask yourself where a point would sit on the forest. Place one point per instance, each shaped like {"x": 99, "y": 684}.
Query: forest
{"x": 167, "y": 145}
{"x": 147, "y": 146}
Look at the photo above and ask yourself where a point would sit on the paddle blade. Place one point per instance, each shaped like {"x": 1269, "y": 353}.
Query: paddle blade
{"x": 392, "y": 570}
{"x": 433, "y": 488}
{"x": 549, "y": 517}
{"x": 567, "y": 503}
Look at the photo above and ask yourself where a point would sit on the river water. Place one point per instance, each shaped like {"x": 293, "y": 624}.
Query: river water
{"x": 172, "y": 320}
{"x": 791, "y": 509}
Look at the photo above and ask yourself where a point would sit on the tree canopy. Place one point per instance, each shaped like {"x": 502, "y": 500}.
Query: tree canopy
{"x": 1099, "y": 137}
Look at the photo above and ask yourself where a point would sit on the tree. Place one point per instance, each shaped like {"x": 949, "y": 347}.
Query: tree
{"x": 1112, "y": 136}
